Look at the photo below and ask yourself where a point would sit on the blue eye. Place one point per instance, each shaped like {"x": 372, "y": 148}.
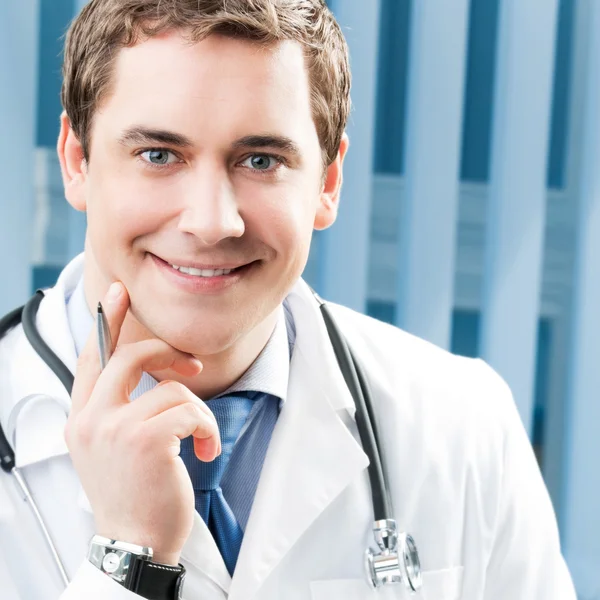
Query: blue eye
{"x": 260, "y": 162}
{"x": 158, "y": 157}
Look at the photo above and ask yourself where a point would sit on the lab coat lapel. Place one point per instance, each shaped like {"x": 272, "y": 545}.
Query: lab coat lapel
{"x": 312, "y": 456}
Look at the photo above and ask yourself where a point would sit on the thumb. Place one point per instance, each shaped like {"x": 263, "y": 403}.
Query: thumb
{"x": 114, "y": 305}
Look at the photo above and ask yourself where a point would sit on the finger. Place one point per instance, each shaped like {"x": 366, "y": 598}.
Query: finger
{"x": 115, "y": 305}
{"x": 185, "y": 420}
{"x": 129, "y": 361}
{"x": 167, "y": 394}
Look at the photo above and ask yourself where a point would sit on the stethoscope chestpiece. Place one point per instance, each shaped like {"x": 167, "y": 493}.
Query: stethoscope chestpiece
{"x": 396, "y": 560}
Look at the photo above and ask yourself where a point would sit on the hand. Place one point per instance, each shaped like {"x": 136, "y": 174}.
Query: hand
{"x": 127, "y": 453}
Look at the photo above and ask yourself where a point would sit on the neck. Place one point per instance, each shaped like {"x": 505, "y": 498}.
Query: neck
{"x": 223, "y": 369}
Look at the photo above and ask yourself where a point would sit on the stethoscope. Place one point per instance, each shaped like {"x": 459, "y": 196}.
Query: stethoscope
{"x": 396, "y": 559}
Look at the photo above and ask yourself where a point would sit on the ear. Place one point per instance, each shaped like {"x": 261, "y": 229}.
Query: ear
{"x": 330, "y": 194}
{"x": 72, "y": 164}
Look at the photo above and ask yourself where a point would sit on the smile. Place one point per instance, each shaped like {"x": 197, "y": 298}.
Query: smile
{"x": 200, "y": 278}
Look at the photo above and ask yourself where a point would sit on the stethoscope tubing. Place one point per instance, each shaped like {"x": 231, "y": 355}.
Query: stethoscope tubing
{"x": 368, "y": 436}
{"x": 38, "y": 516}
{"x": 37, "y": 342}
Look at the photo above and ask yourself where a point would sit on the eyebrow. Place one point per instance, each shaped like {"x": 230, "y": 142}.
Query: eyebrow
{"x": 278, "y": 142}
{"x": 146, "y": 135}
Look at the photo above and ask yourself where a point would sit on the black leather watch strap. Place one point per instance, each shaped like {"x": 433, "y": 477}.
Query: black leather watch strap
{"x": 158, "y": 582}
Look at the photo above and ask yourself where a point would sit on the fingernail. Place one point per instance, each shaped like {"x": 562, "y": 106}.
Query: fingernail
{"x": 114, "y": 291}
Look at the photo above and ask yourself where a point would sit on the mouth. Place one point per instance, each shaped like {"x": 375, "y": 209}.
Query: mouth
{"x": 204, "y": 277}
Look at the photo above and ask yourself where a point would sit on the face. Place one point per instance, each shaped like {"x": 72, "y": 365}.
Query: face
{"x": 203, "y": 187}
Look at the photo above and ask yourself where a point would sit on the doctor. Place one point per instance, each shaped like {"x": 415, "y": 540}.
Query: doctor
{"x": 204, "y": 139}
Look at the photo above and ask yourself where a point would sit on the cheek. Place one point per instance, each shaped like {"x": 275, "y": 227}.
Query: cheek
{"x": 283, "y": 222}
{"x": 123, "y": 206}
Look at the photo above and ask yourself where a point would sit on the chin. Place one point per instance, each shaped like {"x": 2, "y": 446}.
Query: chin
{"x": 197, "y": 340}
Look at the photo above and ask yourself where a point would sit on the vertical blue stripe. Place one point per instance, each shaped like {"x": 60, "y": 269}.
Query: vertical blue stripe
{"x": 479, "y": 93}
{"x": 55, "y": 16}
{"x": 516, "y": 210}
{"x": 561, "y": 96}
{"x": 392, "y": 75}
{"x": 427, "y": 235}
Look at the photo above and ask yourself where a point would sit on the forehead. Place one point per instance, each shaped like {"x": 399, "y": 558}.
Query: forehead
{"x": 216, "y": 87}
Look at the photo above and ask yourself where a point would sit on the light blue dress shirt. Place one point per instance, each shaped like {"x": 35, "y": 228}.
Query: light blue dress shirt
{"x": 268, "y": 375}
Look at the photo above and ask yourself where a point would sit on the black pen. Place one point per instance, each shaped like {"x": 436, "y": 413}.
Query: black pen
{"x": 104, "y": 339}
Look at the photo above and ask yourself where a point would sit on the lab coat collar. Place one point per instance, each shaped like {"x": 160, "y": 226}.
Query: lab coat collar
{"x": 314, "y": 343}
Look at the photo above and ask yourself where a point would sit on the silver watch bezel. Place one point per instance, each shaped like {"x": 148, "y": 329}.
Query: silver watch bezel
{"x": 114, "y": 558}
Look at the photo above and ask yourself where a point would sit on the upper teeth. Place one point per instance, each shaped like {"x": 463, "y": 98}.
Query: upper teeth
{"x": 202, "y": 272}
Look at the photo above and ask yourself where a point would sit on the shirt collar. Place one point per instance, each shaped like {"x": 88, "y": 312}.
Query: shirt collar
{"x": 269, "y": 373}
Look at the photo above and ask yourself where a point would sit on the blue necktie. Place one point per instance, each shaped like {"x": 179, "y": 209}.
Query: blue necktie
{"x": 231, "y": 413}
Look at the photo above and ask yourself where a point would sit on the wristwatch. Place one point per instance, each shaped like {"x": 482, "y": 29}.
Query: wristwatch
{"x": 131, "y": 566}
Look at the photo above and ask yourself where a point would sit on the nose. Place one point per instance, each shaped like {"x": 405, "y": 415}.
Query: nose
{"x": 211, "y": 210}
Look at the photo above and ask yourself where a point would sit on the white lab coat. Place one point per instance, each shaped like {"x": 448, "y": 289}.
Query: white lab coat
{"x": 464, "y": 481}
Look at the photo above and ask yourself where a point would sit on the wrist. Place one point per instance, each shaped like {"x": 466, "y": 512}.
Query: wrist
{"x": 160, "y": 554}
{"x": 165, "y": 558}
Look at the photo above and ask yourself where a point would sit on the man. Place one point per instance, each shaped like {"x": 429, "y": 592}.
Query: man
{"x": 205, "y": 141}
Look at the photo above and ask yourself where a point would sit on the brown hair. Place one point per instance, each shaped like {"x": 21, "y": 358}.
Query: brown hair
{"x": 105, "y": 26}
